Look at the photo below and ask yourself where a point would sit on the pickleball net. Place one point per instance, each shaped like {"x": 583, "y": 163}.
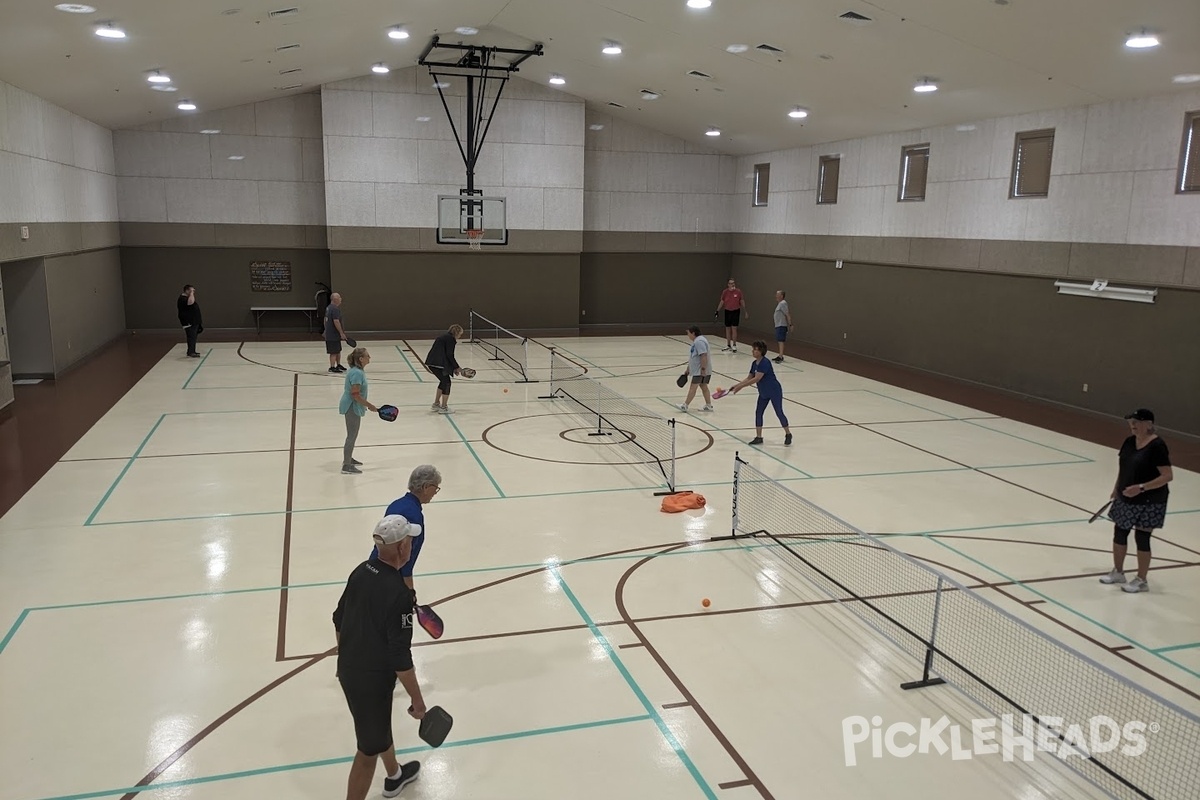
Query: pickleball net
{"x": 500, "y": 343}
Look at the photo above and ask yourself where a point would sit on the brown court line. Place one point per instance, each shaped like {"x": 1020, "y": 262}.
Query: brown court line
{"x": 254, "y": 452}
{"x": 1120, "y": 647}
{"x": 734, "y": 784}
{"x": 669, "y": 706}
{"x": 281, "y": 633}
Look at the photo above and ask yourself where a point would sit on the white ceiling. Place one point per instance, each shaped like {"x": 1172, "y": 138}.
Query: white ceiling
{"x": 989, "y": 59}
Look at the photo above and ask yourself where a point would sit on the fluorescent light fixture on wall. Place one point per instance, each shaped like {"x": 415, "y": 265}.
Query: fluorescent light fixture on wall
{"x": 1101, "y": 288}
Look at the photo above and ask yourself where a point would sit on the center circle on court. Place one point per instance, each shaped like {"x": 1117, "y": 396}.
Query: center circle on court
{"x": 541, "y": 437}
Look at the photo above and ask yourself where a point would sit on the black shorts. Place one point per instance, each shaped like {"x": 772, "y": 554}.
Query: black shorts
{"x": 369, "y": 696}
{"x": 700, "y": 380}
{"x": 443, "y": 376}
{"x": 732, "y": 317}
{"x": 333, "y": 346}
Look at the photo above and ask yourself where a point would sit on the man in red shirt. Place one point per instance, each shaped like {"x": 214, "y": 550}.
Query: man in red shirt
{"x": 732, "y": 302}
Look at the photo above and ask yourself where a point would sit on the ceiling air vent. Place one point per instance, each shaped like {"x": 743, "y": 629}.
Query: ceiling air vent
{"x": 289, "y": 88}
{"x": 695, "y": 73}
{"x": 283, "y": 12}
{"x": 768, "y": 48}
{"x": 616, "y": 105}
{"x": 287, "y": 47}
{"x": 288, "y": 71}
{"x": 854, "y": 18}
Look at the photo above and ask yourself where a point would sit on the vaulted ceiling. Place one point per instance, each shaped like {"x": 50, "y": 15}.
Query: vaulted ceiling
{"x": 855, "y": 78}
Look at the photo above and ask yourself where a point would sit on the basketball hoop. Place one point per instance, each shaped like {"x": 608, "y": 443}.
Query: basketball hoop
{"x": 475, "y": 239}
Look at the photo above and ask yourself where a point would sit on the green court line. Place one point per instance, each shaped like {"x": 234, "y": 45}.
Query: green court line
{"x": 13, "y": 630}
{"x": 946, "y": 417}
{"x": 329, "y": 762}
{"x": 124, "y": 469}
{"x": 1064, "y": 607}
{"x": 757, "y": 448}
{"x": 1175, "y": 647}
{"x": 667, "y": 733}
{"x": 197, "y": 369}
{"x": 1028, "y": 441}
{"x": 584, "y": 360}
{"x": 404, "y": 355}
{"x": 1042, "y": 464}
{"x": 478, "y": 460}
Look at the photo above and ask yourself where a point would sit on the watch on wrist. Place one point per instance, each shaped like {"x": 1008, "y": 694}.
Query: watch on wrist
{"x": 1142, "y": 486}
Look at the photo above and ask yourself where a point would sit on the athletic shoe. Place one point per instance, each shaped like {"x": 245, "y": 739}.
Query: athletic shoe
{"x": 726, "y": 349}
{"x": 708, "y": 407}
{"x": 340, "y": 368}
{"x": 356, "y": 462}
{"x": 435, "y": 407}
{"x": 334, "y": 371}
{"x": 408, "y": 774}
{"x": 756, "y": 440}
{"x": 444, "y": 410}
{"x": 735, "y": 348}
{"x": 1113, "y": 577}
{"x": 193, "y": 355}
{"x": 350, "y": 469}
{"x": 787, "y": 439}
{"x": 1136, "y": 585}
{"x": 682, "y": 407}
{"x": 778, "y": 359}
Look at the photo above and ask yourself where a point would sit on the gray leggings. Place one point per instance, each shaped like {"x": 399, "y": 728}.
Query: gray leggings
{"x": 353, "y": 421}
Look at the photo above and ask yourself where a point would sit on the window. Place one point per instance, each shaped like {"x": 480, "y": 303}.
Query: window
{"x": 1031, "y": 164}
{"x": 914, "y": 166}
{"x": 1189, "y": 158}
{"x": 827, "y": 179}
{"x": 762, "y": 183}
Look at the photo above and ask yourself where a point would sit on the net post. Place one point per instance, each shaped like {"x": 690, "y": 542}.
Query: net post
{"x": 930, "y": 647}
{"x": 669, "y": 474}
{"x": 599, "y": 414}
{"x": 737, "y": 479}
{"x": 551, "y": 395}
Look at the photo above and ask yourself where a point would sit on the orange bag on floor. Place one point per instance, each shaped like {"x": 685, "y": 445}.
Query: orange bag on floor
{"x": 684, "y": 501}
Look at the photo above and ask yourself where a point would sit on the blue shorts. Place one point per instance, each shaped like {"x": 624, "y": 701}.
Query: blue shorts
{"x": 781, "y": 333}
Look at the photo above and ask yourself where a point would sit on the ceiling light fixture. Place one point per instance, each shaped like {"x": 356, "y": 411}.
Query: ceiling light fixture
{"x": 1187, "y": 78}
{"x": 466, "y": 30}
{"x": 380, "y": 69}
{"x": 798, "y": 113}
{"x": 163, "y": 87}
{"x": 186, "y": 105}
{"x": 595, "y": 126}
{"x": 237, "y": 158}
{"x": 75, "y": 8}
{"x": 423, "y": 119}
{"x": 650, "y": 94}
{"x": 926, "y": 85}
{"x": 158, "y": 77}
{"x": 964, "y": 128}
{"x": 557, "y": 80}
{"x": 211, "y": 131}
{"x": 713, "y": 132}
{"x": 737, "y": 48}
{"x": 699, "y": 3}
{"x": 441, "y": 84}
{"x": 1142, "y": 40}
{"x": 611, "y": 49}
{"x": 398, "y": 32}
{"x": 109, "y": 31}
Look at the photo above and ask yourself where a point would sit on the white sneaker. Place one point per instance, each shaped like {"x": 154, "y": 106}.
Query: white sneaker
{"x": 735, "y": 348}
{"x": 1136, "y": 585}
{"x": 682, "y": 407}
{"x": 435, "y": 407}
{"x": 708, "y": 408}
{"x": 1113, "y": 577}
{"x": 726, "y": 348}
{"x": 442, "y": 410}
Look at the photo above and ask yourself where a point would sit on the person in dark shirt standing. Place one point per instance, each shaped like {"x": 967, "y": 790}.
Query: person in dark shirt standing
{"x": 335, "y": 334}
{"x": 1139, "y": 497}
{"x": 189, "y": 318}
{"x": 441, "y": 363}
{"x": 373, "y": 624}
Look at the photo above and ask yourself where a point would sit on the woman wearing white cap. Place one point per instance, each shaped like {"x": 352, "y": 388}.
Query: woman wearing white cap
{"x": 373, "y": 624}
{"x": 1139, "y": 497}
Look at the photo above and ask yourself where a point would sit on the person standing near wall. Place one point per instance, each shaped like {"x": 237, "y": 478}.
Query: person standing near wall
{"x": 733, "y": 302}
{"x": 442, "y": 363}
{"x": 335, "y": 334}
{"x": 783, "y": 322}
{"x": 189, "y": 318}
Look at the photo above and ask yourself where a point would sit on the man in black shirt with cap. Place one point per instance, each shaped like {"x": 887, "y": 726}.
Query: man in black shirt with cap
{"x": 373, "y": 623}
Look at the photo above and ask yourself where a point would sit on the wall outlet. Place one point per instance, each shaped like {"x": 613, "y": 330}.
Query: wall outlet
{"x": 845, "y": 336}
{"x": 838, "y": 265}
{"x": 1085, "y": 387}
{"x": 583, "y": 313}
{"x": 24, "y": 232}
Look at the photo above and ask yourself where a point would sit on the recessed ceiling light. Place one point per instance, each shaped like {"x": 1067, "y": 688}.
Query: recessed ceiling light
{"x": 163, "y": 87}
{"x": 611, "y": 49}
{"x": 737, "y": 48}
{"x": 466, "y": 30}
{"x": 110, "y": 31}
{"x": 699, "y": 3}
{"x": 1188, "y": 78}
{"x": 1140, "y": 41}
{"x": 397, "y": 33}
{"x": 798, "y": 113}
{"x": 650, "y": 94}
{"x": 713, "y": 132}
{"x": 422, "y": 119}
{"x": 964, "y": 128}
{"x": 237, "y": 158}
{"x": 595, "y": 126}
{"x": 158, "y": 77}
{"x": 211, "y": 131}
{"x": 380, "y": 69}
{"x": 441, "y": 84}
{"x": 926, "y": 85}
{"x": 186, "y": 105}
{"x": 75, "y": 8}
{"x": 557, "y": 80}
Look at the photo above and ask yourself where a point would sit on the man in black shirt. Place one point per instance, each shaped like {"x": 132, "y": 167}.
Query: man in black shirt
{"x": 189, "y": 318}
{"x": 373, "y": 623}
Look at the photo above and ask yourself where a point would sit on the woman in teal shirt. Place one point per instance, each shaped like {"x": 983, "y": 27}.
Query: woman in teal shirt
{"x": 354, "y": 406}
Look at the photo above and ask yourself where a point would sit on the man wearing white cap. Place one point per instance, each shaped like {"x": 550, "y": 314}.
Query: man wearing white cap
{"x": 373, "y": 623}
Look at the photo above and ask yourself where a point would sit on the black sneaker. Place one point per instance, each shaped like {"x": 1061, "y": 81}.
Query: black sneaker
{"x": 778, "y": 359}
{"x": 340, "y": 368}
{"x": 756, "y": 440}
{"x": 408, "y": 774}
{"x": 787, "y": 439}
{"x": 358, "y": 463}
{"x": 333, "y": 371}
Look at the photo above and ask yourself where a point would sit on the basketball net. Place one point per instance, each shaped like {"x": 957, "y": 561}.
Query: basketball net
{"x": 475, "y": 239}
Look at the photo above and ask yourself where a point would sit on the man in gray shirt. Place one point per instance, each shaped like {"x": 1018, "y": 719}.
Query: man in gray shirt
{"x": 783, "y": 323}
{"x": 334, "y": 333}
{"x": 700, "y": 368}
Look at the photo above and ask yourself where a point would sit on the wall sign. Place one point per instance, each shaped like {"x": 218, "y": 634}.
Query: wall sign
{"x": 270, "y": 276}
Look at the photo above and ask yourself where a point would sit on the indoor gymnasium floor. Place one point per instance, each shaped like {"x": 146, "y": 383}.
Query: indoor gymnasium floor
{"x": 167, "y": 586}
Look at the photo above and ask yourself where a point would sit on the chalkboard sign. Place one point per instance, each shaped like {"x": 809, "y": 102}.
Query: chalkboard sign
{"x": 270, "y": 276}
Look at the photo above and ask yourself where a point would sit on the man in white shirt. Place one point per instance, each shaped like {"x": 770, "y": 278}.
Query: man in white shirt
{"x": 783, "y": 323}
{"x": 700, "y": 368}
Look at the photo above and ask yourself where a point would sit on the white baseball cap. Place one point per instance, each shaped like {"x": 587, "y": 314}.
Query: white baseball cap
{"x": 394, "y": 528}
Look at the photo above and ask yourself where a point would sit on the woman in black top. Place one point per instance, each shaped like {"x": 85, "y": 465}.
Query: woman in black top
{"x": 189, "y": 318}
{"x": 441, "y": 363}
{"x": 1139, "y": 497}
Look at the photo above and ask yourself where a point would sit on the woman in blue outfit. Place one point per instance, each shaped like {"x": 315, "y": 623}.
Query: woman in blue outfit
{"x": 762, "y": 375}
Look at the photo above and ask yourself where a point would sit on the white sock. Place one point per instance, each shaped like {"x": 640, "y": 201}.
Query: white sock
{"x": 399, "y": 772}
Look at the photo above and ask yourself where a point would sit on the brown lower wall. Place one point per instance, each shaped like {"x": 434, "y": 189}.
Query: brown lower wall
{"x": 87, "y": 309}
{"x": 650, "y": 288}
{"x": 1011, "y": 332}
